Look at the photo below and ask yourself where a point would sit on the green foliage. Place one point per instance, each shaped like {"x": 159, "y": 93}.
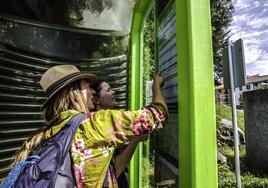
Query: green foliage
{"x": 221, "y": 17}
{"x": 148, "y": 172}
{"x": 225, "y": 112}
{"x": 249, "y": 178}
{"x": 148, "y": 74}
{"x": 148, "y": 50}
{"x": 149, "y": 47}
{"x": 262, "y": 86}
{"x": 226, "y": 171}
{"x": 96, "y": 6}
{"x": 146, "y": 67}
{"x": 226, "y": 176}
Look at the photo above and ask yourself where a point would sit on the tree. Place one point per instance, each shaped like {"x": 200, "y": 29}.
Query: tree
{"x": 262, "y": 85}
{"x": 221, "y": 17}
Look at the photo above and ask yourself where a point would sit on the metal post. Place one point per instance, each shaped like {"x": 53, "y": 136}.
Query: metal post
{"x": 234, "y": 117}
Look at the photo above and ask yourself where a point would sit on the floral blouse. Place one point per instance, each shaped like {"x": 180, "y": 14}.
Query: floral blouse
{"x": 100, "y": 134}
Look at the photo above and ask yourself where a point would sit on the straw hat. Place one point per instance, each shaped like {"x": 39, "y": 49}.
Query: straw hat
{"x": 57, "y": 77}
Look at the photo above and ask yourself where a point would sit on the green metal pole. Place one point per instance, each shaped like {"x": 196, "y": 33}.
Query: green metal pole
{"x": 136, "y": 84}
{"x": 197, "y": 131}
{"x": 135, "y": 102}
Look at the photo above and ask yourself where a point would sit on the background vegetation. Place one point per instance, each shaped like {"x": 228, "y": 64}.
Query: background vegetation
{"x": 221, "y": 18}
{"x": 226, "y": 171}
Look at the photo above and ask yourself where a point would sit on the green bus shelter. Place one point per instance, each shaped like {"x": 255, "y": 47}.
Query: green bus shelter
{"x": 36, "y": 36}
{"x": 196, "y": 120}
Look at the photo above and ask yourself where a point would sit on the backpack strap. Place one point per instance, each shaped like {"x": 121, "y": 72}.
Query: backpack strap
{"x": 67, "y": 133}
{"x": 17, "y": 169}
{"x": 66, "y": 136}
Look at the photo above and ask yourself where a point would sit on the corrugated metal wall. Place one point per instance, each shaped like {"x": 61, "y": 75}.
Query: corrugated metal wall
{"x": 26, "y": 51}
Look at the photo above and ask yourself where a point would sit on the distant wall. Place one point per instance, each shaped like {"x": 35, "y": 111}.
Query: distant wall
{"x": 256, "y": 129}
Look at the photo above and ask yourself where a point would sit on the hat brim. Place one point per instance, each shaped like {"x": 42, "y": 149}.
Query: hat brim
{"x": 90, "y": 77}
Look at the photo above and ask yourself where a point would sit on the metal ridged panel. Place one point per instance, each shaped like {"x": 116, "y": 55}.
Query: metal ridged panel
{"x": 21, "y": 96}
{"x": 167, "y": 139}
{"x": 167, "y": 55}
{"x": 66, "y": 43}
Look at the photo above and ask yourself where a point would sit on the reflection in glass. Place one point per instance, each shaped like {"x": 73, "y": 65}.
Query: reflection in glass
{"x": 92, "y": 14}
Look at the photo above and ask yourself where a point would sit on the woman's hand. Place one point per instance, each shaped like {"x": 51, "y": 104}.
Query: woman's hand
{"x": 140, "y": 138}
{"x": 158, "y": 81}
{"x": 157, "y": 93}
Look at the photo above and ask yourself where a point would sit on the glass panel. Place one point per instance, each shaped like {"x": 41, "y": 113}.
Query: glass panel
{"x": 160, "y": 156}
{"x": 167, "y": 139}
{"x": 106, "y": 14}
{"x": 148, "y": 172}
{"x": 94, "y": 14}
{"x": 59, "y": 42}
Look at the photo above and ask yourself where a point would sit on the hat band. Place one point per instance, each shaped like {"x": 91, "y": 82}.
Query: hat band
{"x": 53, "y": 87}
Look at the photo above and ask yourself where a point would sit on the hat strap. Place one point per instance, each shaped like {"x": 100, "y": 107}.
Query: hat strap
{"x": 53, "y": 87}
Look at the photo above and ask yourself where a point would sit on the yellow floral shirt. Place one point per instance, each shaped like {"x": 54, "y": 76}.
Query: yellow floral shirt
{"x": 100, "y": 134}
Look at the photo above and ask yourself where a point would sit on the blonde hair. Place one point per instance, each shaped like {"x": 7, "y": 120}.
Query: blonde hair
{"x": 70, "y": 97}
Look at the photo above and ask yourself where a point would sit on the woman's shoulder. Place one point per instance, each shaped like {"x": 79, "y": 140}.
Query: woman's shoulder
{"x": 59, "y": 122}
{"x": 111, "y": 114}
{"x": 106, "y": 112}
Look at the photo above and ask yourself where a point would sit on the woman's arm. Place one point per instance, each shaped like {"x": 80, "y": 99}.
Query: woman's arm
{"x": 122, "y": 159}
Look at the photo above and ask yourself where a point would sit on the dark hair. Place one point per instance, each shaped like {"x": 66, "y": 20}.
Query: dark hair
{"x": 97, "y": 86}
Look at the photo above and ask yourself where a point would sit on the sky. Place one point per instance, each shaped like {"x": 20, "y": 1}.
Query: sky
{"x": 250, "y": 22}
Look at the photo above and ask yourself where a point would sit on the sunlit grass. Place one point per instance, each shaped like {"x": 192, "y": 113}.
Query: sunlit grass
{"x": 226, "y": 171}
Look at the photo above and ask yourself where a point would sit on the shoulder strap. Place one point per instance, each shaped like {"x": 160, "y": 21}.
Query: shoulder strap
{"x": 65, "y": 137}
{"x": 67, "y": 133}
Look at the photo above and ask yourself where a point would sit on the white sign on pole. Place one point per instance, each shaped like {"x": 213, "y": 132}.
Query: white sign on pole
{"x": 234, "y": 76}
{"x": 238, "y": 65}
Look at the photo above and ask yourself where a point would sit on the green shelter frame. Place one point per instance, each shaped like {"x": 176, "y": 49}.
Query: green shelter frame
{"x": 196, "y": 104}
{"x": 197, "y": 135}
